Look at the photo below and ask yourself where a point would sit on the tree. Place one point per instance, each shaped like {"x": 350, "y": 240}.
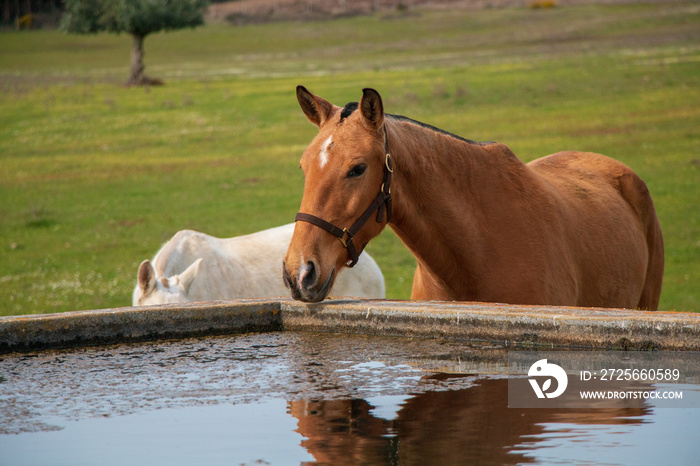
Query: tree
{"x": 136, "y": 17}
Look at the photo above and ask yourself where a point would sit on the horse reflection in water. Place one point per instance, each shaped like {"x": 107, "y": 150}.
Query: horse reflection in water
{"x": 470, "y": 426}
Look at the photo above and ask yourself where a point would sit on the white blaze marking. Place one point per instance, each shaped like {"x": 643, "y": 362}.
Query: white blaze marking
{"x": 323, "y": 155}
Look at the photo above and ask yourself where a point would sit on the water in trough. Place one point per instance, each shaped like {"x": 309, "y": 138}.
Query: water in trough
{"x": 293, "y": 398}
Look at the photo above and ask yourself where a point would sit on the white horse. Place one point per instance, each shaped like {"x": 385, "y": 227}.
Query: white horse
{"x": 194, "y": 266}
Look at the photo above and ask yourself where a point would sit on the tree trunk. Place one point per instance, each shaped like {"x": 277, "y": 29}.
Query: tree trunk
{"x": 138, "y": 78}
{"x": 6, "y": 12}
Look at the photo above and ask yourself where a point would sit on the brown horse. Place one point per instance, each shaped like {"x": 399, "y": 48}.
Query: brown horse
{"x": 572, "y": 228}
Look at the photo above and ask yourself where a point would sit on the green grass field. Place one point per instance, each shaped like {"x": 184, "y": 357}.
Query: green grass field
{"x": 94, "y": 177}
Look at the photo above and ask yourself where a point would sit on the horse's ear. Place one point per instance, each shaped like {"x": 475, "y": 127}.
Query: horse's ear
{"x": 147, "y": 277}
{"x": 188, "y": 276}
{"x": 372, "y": 108}
{"x": 316, "y": 109}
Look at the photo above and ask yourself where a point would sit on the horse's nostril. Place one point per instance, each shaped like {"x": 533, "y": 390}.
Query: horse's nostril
{"x": 308, "y": 275}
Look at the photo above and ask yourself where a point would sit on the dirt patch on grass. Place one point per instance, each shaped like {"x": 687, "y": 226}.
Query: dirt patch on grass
{"x": 260, "y": 11}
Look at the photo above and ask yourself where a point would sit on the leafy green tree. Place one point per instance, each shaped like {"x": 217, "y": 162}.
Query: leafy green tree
{"x": 136, "y": 17}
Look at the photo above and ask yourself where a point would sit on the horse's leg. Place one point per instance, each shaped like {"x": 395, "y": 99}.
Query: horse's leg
{"x": 428, "y": 287}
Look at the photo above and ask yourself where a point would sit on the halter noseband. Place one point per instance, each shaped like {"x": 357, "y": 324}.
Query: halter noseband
{"x": 380, "y": 203}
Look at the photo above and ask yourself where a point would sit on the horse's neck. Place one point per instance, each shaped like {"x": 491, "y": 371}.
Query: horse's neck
{"x": 445, "y": 192}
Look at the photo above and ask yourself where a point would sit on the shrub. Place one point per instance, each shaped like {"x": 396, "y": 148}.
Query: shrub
{"x": 543, "y": 4}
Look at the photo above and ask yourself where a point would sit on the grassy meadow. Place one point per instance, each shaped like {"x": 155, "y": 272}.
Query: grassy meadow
{"x": 94, "y": 177}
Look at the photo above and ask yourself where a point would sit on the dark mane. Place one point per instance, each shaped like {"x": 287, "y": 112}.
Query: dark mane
{"x": 352, "y": 106}
{"x": 347, "y": 110}
{"x": 437, "y": 130}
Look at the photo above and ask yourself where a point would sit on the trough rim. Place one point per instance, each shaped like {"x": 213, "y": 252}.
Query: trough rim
{"x": 519, "y": 326}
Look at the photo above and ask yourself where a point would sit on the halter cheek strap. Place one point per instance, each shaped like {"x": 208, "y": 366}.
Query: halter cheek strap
{"x": 381, "y": 204}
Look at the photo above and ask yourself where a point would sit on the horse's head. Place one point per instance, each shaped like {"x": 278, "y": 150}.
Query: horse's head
{"x": 151, "y": 289}
{"x": 346, "y": 198}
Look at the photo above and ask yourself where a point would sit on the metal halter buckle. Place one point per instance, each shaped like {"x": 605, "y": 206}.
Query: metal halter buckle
{"x": 342, "y": 238}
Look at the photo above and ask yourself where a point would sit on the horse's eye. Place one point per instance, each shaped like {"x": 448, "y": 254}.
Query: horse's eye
{"x": 357, "y": 170}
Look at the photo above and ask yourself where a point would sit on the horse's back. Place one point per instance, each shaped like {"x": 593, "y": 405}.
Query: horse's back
{"x": 588, "y": 165}
{"x": 245, "y": 266}
{"x": 248, "y": 266}
{"x": 584, "y": 180}
{"x": 603, "y": 196}
{"x": 266, "y": 249}
{"x": 186, "y": 246}
{"x": 180, "y": 251}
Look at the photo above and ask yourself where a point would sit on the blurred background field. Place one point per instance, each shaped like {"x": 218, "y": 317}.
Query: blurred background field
{"x": 94, "y": 177}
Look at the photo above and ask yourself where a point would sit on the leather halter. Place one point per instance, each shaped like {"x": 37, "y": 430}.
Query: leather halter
{"x": 381, "y": 203}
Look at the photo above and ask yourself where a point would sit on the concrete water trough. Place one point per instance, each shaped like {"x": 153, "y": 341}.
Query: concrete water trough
{"x": 533, "y": 326}
{"x": 339, "y": 382}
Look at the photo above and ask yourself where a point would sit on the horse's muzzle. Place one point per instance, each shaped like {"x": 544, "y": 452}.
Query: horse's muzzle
{"x": 305, "y": 286}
